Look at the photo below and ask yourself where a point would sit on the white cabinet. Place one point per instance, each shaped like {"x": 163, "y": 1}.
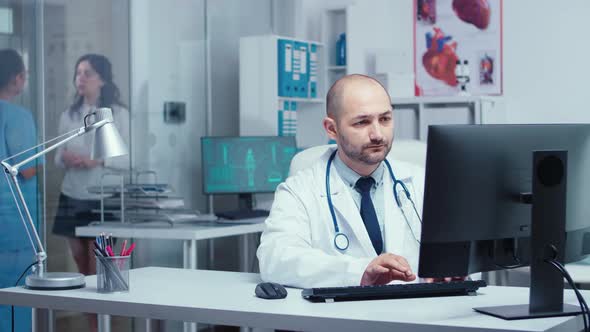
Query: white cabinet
{"x": 282, "y": 88}
{"x": 412, "y": 116}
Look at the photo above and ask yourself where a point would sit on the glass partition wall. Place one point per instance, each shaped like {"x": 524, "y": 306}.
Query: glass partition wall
{"x": 51, "y": 36}
{"x": 155, "y": 65}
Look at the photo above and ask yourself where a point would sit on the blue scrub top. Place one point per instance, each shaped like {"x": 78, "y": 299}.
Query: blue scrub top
{"x": 17, "y": 133}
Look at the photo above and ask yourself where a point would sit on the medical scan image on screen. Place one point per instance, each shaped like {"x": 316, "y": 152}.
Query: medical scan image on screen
{"x": 245, "y": 164}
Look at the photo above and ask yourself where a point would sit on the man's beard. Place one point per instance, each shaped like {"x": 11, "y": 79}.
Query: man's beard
{"x": 362, "y": 154}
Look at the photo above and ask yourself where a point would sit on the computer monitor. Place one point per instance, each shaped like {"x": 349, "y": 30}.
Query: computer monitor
{"x": 501, "y": 195}
{"x": 245, "y": 165}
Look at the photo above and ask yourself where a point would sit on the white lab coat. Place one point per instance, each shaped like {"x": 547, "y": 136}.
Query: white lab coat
{"x": 297, "y": 246}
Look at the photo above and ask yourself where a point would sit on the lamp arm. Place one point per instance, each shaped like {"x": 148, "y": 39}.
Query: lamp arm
{"x": 38, "y": 246}
{"x": 15, "y": 168}
{"x": 78, "y": 132}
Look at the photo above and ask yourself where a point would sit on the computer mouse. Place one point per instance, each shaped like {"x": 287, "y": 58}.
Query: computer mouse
{"x": 270, "y": 291}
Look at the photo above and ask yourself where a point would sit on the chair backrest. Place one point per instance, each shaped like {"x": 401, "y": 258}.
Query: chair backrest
{"x": 307, "y": 157}
{"x": 411, "y": 151}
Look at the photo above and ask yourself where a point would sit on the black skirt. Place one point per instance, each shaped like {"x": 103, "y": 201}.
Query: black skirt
{"x": 72, "y": 213}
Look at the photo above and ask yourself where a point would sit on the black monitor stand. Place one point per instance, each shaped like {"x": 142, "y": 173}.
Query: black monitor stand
{"x": 547, "y": 241}
{"x": 245, "y": 209}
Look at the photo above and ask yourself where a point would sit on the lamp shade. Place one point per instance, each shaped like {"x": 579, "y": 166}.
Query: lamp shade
{"x": 107, "y": 140}
{"x": 108, "y": 143}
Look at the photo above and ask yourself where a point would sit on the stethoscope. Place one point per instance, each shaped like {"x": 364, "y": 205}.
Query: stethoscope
{"x": 340, "y": 239}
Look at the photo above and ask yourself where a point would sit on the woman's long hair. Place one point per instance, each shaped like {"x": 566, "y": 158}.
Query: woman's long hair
{"x": 109, "y": 92}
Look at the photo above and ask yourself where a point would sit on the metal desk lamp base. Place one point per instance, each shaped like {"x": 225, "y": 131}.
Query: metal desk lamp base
{"x": 55, "y": 281}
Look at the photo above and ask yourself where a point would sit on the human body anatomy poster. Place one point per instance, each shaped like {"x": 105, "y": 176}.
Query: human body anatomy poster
{"x": 458, "y": 47}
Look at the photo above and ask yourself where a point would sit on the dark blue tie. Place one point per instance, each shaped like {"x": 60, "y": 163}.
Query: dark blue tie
{"x": 363, "y": 186}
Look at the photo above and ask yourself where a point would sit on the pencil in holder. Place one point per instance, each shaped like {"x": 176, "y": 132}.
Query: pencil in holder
{"x": 112, "y": 274}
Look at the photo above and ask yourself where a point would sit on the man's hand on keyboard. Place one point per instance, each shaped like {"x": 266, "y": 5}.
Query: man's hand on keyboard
{"x": 386, "y": 268}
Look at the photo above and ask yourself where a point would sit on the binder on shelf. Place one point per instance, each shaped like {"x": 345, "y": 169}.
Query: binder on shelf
{"x": 313, "y": 71}
{"x": 292, "y": 120}
{"x": 281, "y": 118}
{"x": 300, "y": 66}
{"x": 285, "y": 71}
{"x": 296, "y": 76}
{"x": 287, "y": 119}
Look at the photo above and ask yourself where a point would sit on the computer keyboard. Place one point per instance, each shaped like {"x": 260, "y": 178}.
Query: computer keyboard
{"x": 395, "y": 291}
{"x": 243, "y": 214}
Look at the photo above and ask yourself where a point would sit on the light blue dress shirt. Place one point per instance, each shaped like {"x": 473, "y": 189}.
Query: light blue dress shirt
{"x": 350, "y": 177}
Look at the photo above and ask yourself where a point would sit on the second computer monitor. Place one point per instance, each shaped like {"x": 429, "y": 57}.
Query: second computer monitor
{"x": 245, "y": 164}
{"x": 502, "y": 196}
{"x": 478, "y": 179}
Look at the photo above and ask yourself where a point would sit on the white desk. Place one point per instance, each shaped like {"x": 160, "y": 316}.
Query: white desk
{"x": 189, "y": 233}
{"x": 580, "y": 273}
{"x": 227, "y": 298}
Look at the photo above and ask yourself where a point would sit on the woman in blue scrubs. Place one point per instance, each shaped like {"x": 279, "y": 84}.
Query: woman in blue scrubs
{"x": 17, "y": 133}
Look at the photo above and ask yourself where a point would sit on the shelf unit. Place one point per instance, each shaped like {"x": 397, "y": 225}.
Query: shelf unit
{"x": 263, "y": 111}
{"x": 337, "y": 68}
{"x": 303, "y": 100}
{"x": 413, "y": 115}
{"x": 334, "y": 22}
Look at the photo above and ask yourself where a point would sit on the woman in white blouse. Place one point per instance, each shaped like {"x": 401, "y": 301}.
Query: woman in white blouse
{"x": 93, "y": 80}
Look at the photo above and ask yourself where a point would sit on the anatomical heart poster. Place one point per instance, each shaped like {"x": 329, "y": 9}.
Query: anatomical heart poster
{"x": 458, "y": 47}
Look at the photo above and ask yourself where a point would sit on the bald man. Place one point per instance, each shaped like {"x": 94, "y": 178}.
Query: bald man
{"x": 365, "y": 238}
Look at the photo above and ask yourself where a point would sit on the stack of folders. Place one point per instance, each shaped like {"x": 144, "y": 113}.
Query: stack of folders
{"x": 144, "y": 189}
{"x": 171, "y": 216}
{"x": 147, "y": 202}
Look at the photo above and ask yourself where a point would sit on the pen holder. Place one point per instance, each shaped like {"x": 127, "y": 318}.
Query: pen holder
{"x": 112, "y": 274}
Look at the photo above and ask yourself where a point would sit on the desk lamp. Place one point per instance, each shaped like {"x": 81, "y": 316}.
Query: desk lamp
{"x": 107, "y": 143}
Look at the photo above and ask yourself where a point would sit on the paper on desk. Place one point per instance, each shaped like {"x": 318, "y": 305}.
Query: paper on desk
{"x": 172, "y": 216}
{"x": 148, "y": 202}
{"x": 144, "y": 189}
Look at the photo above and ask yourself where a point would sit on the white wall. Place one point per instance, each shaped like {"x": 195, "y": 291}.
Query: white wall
{"x": 545, "y": 54}
{"x": 228, "y": 21}
{"x": 168, "y": 64}
{"x": 546, "y": 61}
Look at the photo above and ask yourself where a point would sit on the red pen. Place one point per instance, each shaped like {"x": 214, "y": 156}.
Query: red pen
{"x": 110, "y": 251}
{"x": 131, "y": 247}
{"x": 123, "y": 248}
